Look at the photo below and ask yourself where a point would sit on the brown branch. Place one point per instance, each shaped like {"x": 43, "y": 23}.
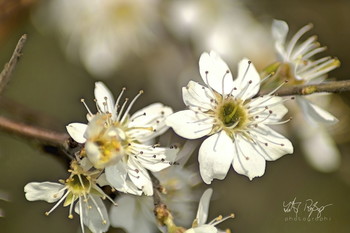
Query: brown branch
{"x": 33, "y": 132}
{"x": 331, "y": 87}
{"x": 10, "y": 66}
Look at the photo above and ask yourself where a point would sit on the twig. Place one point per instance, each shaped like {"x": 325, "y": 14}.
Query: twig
{"x": 33, "y": 132}
{"x": 331, "y": 87}
{"x": 9, "y": 67}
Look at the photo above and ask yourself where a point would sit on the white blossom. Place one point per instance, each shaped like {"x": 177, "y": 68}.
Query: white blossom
{"x": 237, "y": 124}
{"x": 296, "y": 60}
{"x": 177, "y": 182}
{"x": 122, "y": 144}
{"x": 80, "y": 192}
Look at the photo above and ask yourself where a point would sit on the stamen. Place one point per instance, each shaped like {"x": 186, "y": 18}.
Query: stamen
{"x": 98, "y": 209}
{"x": 87, "y": 108}
{"x": 223, "y": 82}
{"x": 57, "y": 204}
{"x": 296, "y": 37}
{"x": 122, "y": 108}
{"x": 198, "y": 131}
{"x": 207, "y": 82}
{"x": 220, "y": 219}
{"x": 70, "y": 216}
{"x": 117, "y": 103}
{"x": 305, "y": 47}
{"x": 131, "y": 104}
{"x": 81, "y": 216}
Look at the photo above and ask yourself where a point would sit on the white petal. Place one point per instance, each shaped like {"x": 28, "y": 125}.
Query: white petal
{"x": 132, "y": 209}
{"x": 215, "y": 72}
{"x": 104, "y": 95}
{"x": 314, "y": 112}
{"x": 270, "y": 144}
{"x": 139, "y": 176}
{"x": 189, "y": 124}
{"x": 116, "y": 176}
{"x": 95, "y": 215}
{"x": 203, "y": 207}
{"x": 45, "y": 191}
{"x": 270, "y": 109}
{"x": 319, "y": 148}
{"x": 279, "y": 31}
{"x": 77, "y": 131}
{"x": 156, "y": 159}
{"x": 152, "y": 116}
{"x": 196, "y": 95}
{"x": 203, "y": 229}
{"x": 247, "y": 159}
{"x": 215, "y": 157}
{"x": 247, "y": 83}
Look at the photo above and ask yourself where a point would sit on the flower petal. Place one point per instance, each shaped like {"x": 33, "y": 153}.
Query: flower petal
{"x": 116, "y": 176}
{"x": 215, "y": 157}
{"x": 247, "y": 83}
{"x": 320, "y": 149}
{"x": 203, "y": 229}
{"x": 46, "y": 191}
{"x": 215, "y": 72}
{"x": 156, "y": 159}
{"x": 270, "y": 144}
{"x": 247, "y": 159}
{"x": 197, "y": 96}
{"x": 279, "y": 32}
{"x": 140, "y": 177}
{"x": 314, "y": 112}
{"x": 95, "y": 215}
{"x": 270, "y": 109}
{"x": 77, "y": 131}
{"x": 132, "y": 209}
{"x": 104, "y": 98}
{"x": 152, "y": 116}
{"x": 189, "y": 124}
{"x": 203, "y": 207}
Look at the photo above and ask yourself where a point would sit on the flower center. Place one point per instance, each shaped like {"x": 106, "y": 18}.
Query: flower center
{"x": 108, "y": 147}
{"x": 78, "y": 184}
{"x": 232, "y": 113}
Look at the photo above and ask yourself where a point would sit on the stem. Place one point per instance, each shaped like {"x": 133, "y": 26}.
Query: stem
{"x": 10, "y": 66}
{"x": 331, "y": 87}
{"x": 33, "y": 132}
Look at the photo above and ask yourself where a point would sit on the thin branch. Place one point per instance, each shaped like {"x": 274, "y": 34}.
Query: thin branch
{"x": 10, "y": 66}
{"x": 331, "y": 87}
{"x": 33, "y": 132}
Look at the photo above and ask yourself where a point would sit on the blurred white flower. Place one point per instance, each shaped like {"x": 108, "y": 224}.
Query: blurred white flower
{"x": 225, "y": 26}
{"x": 199, "y": 225}
{"x": 179, "y": 197}
{"x": 236, "y": 123}
{"x": 123, "y": 144}
{"x": 297, "y": 65}
{"x": 102, "y": 33}
{"x": 177, "y": 182}
{"x": 81, "y": 187}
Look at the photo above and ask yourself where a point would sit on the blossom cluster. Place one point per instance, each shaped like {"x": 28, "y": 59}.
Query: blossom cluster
{"x": 119, "y": 151}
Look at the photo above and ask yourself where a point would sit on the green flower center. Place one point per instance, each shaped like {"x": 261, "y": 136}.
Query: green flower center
{"x": 78, "y": 184}
{"x": 232, "y": 113}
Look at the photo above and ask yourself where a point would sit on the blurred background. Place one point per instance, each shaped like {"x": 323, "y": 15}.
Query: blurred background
{"x": 154, "y": 45}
